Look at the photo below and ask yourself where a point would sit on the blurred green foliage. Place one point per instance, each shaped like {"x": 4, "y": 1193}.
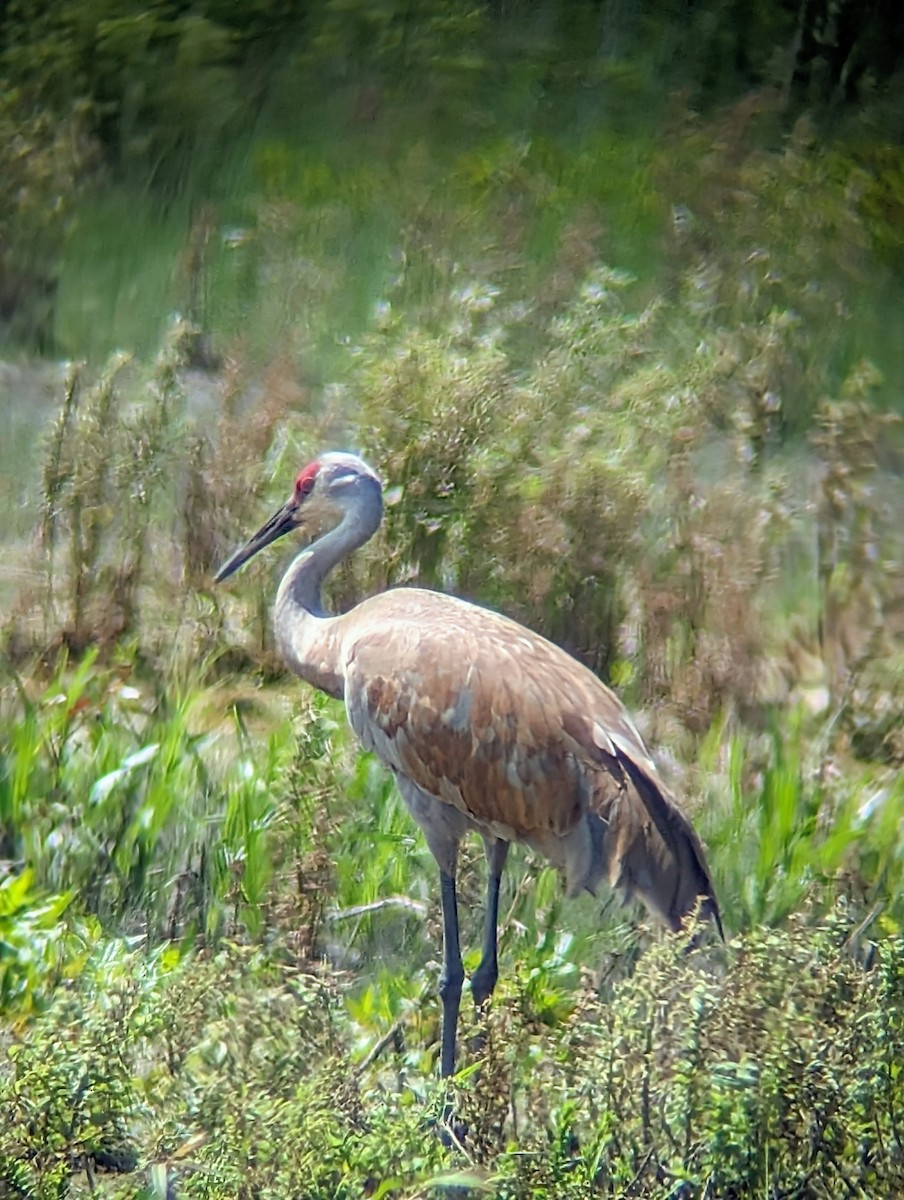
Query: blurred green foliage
{"x": 529, "y": 125}
{"x": 39, "y": 947}
{"x": 46, "y": 162}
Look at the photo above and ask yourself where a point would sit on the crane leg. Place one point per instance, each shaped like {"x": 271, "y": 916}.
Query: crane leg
{"x": 483, "y": 981}
{"x": 453, "y": 973}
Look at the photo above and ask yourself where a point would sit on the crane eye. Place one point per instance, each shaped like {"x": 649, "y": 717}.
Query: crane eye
{"x": 342, "y": 480}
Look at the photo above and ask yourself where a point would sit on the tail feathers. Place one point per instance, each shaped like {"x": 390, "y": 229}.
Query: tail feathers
{"x": 659, "y": 859}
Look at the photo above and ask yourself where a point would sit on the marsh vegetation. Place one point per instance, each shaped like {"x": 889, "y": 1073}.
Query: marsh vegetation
{"x": 612, "y": 307}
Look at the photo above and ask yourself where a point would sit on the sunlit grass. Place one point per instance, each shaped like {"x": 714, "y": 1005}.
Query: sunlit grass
{"x": 117, "y": 793}
{"x": 164, "y": 827}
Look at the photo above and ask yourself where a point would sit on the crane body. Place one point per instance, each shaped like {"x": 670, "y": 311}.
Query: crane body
{"x": 486, "y": 726}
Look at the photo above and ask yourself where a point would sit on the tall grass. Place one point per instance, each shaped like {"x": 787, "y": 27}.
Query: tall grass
{"x": 119, "y": 794}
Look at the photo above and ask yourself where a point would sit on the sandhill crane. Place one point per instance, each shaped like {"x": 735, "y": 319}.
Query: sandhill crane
{"x": 485, "y": 725}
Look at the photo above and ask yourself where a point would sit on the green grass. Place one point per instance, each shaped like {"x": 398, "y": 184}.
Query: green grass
{"x": 114, "y": 793}
{"x": 169, "y": 818}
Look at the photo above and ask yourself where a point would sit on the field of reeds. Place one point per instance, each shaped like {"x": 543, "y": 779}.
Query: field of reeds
{"x": 219, "y": 929}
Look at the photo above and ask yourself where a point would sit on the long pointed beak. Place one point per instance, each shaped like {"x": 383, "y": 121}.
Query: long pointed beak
{"x": 280, "y": 523}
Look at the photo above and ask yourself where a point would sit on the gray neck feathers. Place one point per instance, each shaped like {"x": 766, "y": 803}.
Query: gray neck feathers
{"x": 305, "y": 634}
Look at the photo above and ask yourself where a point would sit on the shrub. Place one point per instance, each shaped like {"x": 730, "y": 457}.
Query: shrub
{"x": 231, "y": 1075}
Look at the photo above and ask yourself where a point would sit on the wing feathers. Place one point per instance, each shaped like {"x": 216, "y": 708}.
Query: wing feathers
{"x": 682, "y": 877}
{"x": 523, "y": 740}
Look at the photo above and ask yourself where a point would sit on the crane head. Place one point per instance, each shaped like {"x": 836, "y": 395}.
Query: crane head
{"x": 325, "y": 490}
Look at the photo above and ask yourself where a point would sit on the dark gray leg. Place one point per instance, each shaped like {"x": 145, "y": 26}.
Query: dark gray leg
{"x": 453, "y": 974}
{"x": 483, "y": 981}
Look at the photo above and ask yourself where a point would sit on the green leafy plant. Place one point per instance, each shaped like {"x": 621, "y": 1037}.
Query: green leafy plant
{"x": 41, "y": 944}
{"x": 774, "y": 1065}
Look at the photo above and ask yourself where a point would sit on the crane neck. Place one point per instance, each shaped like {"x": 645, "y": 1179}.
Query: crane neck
{"x": 309, "y": 639}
